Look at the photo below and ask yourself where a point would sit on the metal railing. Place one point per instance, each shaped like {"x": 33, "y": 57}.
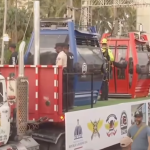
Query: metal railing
{"x": 66, "y": 78}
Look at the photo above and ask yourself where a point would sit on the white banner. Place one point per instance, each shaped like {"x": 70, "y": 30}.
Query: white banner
{"x": 98, "y": 128}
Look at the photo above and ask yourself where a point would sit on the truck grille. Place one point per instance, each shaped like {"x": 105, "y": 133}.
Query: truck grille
{"x": 22, "y": 105}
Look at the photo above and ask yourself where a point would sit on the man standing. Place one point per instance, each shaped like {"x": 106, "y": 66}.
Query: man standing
{"x": 140, "y": 133}
{"x": 14, "y": 55}
{"x": 70, "y": 69}
{"x": 126, "y": 143}
{"x": 61, "y": 59}
{"x": 109, "y": 58}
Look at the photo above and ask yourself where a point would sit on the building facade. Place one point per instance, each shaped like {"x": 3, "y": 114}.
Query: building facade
{"x": 143, "y": 17}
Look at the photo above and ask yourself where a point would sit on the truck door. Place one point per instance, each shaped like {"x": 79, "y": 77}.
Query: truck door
{"x": 121, "y": 74}
{"x": 4, "y": 112}
{"x": 88, "y": 51}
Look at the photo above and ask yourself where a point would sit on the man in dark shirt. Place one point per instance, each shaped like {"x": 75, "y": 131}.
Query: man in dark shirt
{"x": 14, "y": 55}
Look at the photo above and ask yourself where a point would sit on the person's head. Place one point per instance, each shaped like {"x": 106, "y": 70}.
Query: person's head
{"x": 126, "y": 143}
{"x": 65, "y": 48}
{"x": 104, "y": 43}
{"x": 78, "y": 121}
{"x": 138, "y": 117}
{"x": 12, "y": 47}
{"x": 58, "y": 47}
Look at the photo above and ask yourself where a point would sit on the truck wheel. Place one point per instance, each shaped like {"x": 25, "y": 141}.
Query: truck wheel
{"x": 60, "y": 144}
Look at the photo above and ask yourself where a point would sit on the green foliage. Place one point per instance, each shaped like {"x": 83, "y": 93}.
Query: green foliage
{"x": 7, "y": 53}
{"x": 57, "y": 8}
{"x": 105, "y": 17}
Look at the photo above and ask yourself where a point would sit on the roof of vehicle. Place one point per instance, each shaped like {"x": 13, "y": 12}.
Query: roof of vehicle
{"x": 77, "y": 32}
{"x": 61, "y": 24}
{"x": 86, "y": 33}
{"x": 65, "y": 20}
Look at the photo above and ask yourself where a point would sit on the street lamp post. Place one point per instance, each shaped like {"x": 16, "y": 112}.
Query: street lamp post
{"x": 16, "y": 11}
{"x": 4, "y": 31}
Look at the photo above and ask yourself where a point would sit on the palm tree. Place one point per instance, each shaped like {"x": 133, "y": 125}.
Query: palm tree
{"x": 22, "y": 18}
{"x": 131, "y": 19}
{"x": 56, "y": 8}
{"x": 105, "y": 18}
{"x": 50, "y": 8}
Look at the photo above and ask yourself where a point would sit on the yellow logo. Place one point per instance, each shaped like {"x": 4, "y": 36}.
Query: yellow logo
{"x": 94, "y": 127}
{"x": 111, "y": 125}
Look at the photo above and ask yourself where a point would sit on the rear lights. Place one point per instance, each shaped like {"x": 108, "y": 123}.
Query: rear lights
{"x": 62, "y": 118}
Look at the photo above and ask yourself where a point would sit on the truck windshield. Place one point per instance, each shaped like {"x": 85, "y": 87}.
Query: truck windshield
{"x": 90, "y": 55}
{"x": 141, "y": 47}
{"x": 89, "y": 50}
{"x": 47, "y": 48}
{"x": 142, "y": 58}
{"x": 47, "y": 42}
{"x": 144, "y": 65}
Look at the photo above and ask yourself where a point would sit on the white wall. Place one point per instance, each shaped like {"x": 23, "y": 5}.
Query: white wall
{"x": 143, "y": 16}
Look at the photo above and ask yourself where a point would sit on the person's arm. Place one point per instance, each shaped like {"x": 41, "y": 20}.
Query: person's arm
{"x": 111, "y": 56}
{"x": 148, "y": 136}
{"x": 59, "y": 61}
{"x": 129, "y": 132}
{"x": 65, "y": 60}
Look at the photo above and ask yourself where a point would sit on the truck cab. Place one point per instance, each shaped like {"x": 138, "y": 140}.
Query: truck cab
{"x": 85, "y": 48}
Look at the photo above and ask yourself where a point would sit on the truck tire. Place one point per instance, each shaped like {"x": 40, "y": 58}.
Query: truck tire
{"x": 60, "y": 144}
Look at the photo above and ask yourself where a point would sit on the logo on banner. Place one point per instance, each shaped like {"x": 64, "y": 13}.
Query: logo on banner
{"x": 123, "y": 123}
{"x": 94, "y": 127}
{"x": 78, "y": 131}
{"x": 111, "y": 125}
{"x": 78, "y": 140}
